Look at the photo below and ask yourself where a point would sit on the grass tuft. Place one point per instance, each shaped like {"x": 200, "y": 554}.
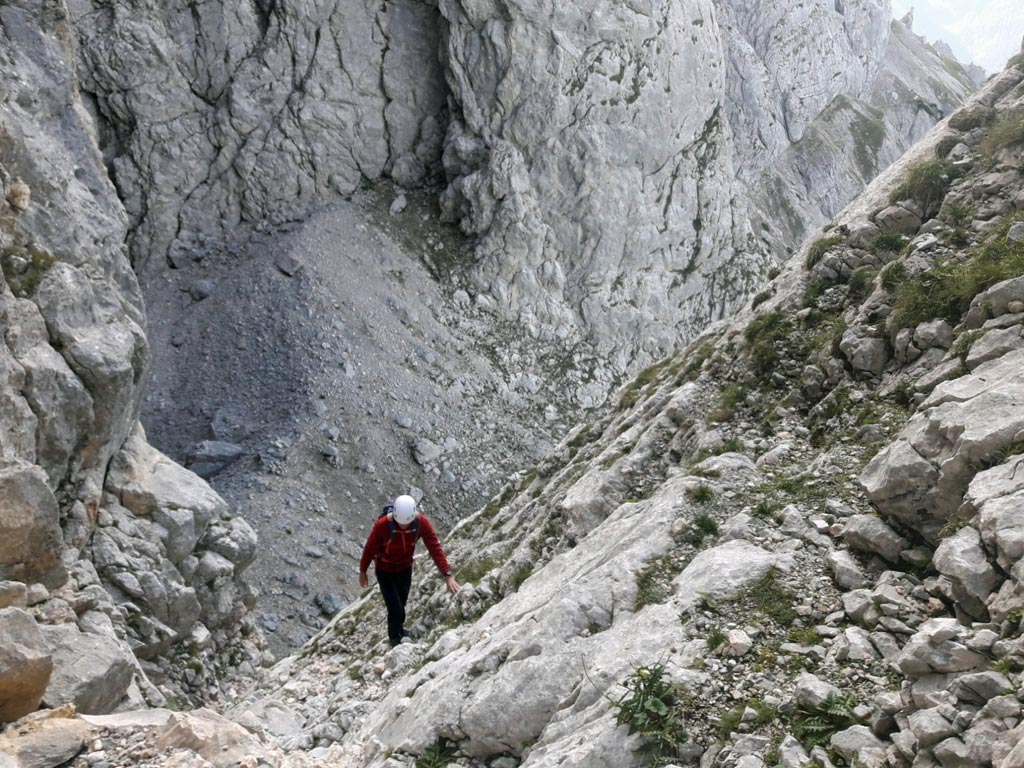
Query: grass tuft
{"x": 1006, "y": 132}
{"x": 820, "y": 247}
{"x": 927, "y": 183}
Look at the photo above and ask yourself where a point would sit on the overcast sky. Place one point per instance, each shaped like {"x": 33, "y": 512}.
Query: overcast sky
{"x": 987, "y": 32}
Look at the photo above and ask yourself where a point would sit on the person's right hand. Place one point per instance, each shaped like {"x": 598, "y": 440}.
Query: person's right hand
{"x": 364, "y": 581}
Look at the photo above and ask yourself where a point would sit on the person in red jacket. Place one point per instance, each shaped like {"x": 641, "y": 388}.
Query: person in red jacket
{"x": 390, "y": 547}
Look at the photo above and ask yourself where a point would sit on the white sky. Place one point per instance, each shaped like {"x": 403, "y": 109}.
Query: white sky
{"x": 987, "y": 32}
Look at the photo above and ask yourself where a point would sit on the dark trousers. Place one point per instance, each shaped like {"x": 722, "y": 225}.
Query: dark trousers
{"x": 394, "y": 587}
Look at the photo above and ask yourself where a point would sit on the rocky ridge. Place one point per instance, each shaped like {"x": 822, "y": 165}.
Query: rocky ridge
{"x": 801, "y": 535}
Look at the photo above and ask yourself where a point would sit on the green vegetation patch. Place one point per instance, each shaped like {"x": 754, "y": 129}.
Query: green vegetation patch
{"x": 820, "y": 247}
{"x": 769, "y": 597}
{"x": 1006, "y": 132}
{"x": 947, "y": 290}
{"x": 473, "y": 571}
{"x": 730, "y": 721}
{"x": 440, "y": 754}
{"x": 732, "y": 396}
{"x": 815, "y": 726}
{"x": 927, "y": 183}
{"x": 650, "y": 707}
{"x": 24, "y": 268}
{"x": 766, "y": 334}
{"x": 888, "y": 242}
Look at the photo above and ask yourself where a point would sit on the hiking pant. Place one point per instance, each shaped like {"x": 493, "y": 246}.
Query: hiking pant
{"x": 394, "y": 587}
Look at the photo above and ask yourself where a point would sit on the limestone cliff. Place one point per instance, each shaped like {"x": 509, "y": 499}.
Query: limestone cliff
{"x": 622, "y": 166}
{"x": 116, "y": 551}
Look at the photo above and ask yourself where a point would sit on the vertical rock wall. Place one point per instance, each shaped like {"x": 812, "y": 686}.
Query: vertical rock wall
{"x": 111, "y": 558}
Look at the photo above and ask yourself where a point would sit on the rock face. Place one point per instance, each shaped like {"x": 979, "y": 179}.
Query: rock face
{"x": 593, "y": 161}
{"x": 105, "y": 550}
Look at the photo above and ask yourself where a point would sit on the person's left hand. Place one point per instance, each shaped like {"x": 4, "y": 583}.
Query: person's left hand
{"x": 451, "y": 584}
{"x": 364, "y": 581}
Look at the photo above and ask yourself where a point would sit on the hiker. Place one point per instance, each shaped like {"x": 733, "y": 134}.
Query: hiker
{"x": 390, "y": 546}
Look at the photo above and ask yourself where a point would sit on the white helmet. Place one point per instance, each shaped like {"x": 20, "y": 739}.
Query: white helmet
{"x": 405, "y": 510}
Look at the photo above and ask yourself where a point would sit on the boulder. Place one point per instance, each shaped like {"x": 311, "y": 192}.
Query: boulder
{"x": 994, "y": 344}
{"x": 896, "y": 218}
{"x": 845, "y": 570}
{"x": 964, "y": 423}
{"x": 46, "y": 739}
{"x": 979, "y": 687}
{"x": 933, "y": 333}
{"x": 221, "y": 742}
{"x": 426, "y": 451}
{"x": 936, "y": 648}
{"x": 858, "y": 745}
{"x": 145, "y": 480}
{"x": 25, "y": 664}
{"x": 865, "y": 353}
{"x": 13, "y": 594}
{"x": 870, "y": 534}
{"x": 930, "y": 727}
{"x": 31, "y": 542}
{"x": 92, "y": 672}
{"x": 962, "y": 558}
{"x": 812, "y": 692}
{"x": 994, "y": 498}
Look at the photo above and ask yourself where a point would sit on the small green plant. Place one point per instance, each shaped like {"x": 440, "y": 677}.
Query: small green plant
{"x": 761, "y": 298}
{"x": 1007, "y": 131}
{"x": 521, "y": 574}
{"x": 729, "y": 721}
{"x": 706, "y": 524}
{"x": 962, "y": 346}
{"x": 764, "y": 510}
{"x": 814, "y": 726}
{"x": 701, "y": 494}
{"x": 926, "y": 182}
{"x": 652, "y": 582}
{"x": 860, "y": 283}
{"x": 765, "y": 334}
{"x": 953, "y": 525}
{"x": 24, "y": 268}
{"x": 768, "y": 596}
{"x": 716, "y": 636}
{"x": 733, "y": 395}
{"x": 475, "y": 570}
{"x": 888, "y": 242}
{"x": 803, "y": 635}
{"x": 893, "y": 275}
{"x": 438, "y": 755}
{"x": 650, "y": 708}
{"x": 820, "y": 247}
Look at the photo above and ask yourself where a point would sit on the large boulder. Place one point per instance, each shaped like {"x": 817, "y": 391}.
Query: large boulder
{"x": 25, "y": 664}
{"x": 46, "y": 739}
{"x": 869, "y": 533}
{"x": 964, "y": 424}
{"x": 962, "y": 558}
{"x": 936, "y": 648}
{"x": 31, "y": 542}
{"x": 92, "y": 672}
{"x": 995, "y": 497}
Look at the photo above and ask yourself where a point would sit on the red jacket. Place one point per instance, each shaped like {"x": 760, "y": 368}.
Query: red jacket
{"x": 394, "y": 553}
